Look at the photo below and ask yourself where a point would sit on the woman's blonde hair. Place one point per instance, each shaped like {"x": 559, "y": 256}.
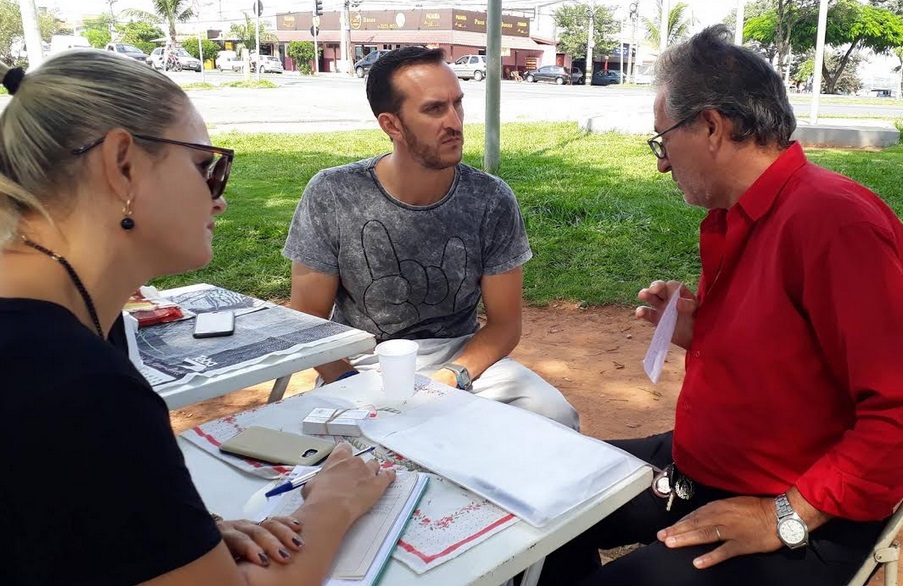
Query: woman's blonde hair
{"x": 70, "y": 100}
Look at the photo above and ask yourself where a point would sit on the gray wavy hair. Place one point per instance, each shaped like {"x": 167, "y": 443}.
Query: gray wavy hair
{"x": 709, "y": 72}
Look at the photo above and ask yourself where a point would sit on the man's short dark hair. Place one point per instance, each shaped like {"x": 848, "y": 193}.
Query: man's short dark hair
{"x": 710, "y": 72}
{"x": 381, "y": 94}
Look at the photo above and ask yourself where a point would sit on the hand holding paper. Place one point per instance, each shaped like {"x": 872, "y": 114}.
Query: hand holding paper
{"x": 673, "y": 322}
{"x": 656, "y": 296}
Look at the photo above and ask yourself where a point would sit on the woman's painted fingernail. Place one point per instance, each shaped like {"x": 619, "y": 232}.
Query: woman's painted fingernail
{"x": 285, "y": 555}
{"x": 297, "y": 541}
{"x": 264, "y": 559}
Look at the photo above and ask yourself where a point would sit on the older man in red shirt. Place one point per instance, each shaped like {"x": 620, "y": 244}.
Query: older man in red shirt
{"x": 787, "y": 450}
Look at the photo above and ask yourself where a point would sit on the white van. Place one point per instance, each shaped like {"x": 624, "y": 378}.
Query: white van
{"x": 59, "y": 43}
{"x": 229, "y": 61}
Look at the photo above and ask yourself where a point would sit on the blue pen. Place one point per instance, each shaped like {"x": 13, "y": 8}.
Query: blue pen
{"x": 305, "y": 478}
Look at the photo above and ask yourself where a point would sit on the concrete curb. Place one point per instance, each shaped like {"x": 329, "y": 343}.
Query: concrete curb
{"x": 856, "y": 137}
{"x": 821, "y": 135}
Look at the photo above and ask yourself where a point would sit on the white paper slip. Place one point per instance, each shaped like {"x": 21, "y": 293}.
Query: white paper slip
{"x": 661, "y": 339}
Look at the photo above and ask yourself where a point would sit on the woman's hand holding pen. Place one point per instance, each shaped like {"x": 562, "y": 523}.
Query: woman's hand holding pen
{"x": 347, "y": 485}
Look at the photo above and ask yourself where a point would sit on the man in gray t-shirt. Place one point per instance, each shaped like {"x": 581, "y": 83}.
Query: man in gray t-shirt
{"x": 405, "y": 245}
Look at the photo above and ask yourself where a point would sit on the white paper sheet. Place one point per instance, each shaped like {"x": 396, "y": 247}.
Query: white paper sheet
{"x": 661, "y": 339}
{"x": 521, "y": 461}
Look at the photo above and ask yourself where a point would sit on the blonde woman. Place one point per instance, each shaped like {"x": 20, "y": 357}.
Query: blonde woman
{"x": 108, "y": 179}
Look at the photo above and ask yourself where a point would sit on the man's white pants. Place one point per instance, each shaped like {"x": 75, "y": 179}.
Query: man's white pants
{"x": 506, "y": 381}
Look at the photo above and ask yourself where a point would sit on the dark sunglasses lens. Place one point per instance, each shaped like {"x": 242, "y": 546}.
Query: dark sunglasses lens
{"x": 218, "y": 176}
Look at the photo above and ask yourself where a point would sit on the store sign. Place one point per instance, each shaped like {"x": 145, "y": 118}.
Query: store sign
{"x": 410, "y": 20}
{"x": 465, "y": 20}
{"x": 407, "y": 20}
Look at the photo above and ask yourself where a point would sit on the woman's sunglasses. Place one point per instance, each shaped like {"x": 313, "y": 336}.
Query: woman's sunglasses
{"x": 217, "y": 173}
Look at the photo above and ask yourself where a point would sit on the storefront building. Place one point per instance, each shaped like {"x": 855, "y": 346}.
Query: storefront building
{"x": 458, "y": 32}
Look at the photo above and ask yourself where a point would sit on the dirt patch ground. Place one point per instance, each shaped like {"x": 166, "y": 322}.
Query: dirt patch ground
{"x": 593, "y": 355}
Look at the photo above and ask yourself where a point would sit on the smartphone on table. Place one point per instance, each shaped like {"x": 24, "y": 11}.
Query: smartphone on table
{"x": 213, "y": 324}
{"x": 278, "y": 447}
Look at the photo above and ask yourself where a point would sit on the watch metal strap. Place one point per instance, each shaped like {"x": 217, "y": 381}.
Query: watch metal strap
{"x": 783, "y": 507}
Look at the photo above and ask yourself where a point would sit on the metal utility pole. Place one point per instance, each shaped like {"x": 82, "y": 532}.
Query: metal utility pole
{"x": 315, "y": 31}
{"x": 664, "y": 28}
{"x": 590, "y": 44}
{"x": 258, "y": 8}
{"x": 492, "y": 142}
{"x": 621, "y": 56}
{"x": 32, "y": 32}
{"x": 634, "y": 16}
{"x": 346, "y": 37}
{"x": 738, "y": 28}
{"x": 819, "y": 60}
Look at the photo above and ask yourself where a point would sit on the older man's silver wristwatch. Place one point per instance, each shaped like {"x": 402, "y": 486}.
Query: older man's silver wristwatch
{"x": 462, "y": 376}
{"x": 792, "y": 530}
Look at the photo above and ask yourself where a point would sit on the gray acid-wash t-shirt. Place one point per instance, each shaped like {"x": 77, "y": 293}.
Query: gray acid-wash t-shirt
{"x": 407, "y": 271}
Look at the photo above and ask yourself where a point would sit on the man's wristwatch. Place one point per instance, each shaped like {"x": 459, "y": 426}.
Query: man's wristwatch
{"x": 462, "y": 376}
{"x": 792, "y": 530}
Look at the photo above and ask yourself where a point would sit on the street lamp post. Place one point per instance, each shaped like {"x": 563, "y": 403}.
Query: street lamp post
{"x": 738, "y": 30}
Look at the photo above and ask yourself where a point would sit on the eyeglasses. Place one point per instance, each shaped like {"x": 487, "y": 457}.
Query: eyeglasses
{"x": 217, "y": 172}
{"x": 658, "y": 145}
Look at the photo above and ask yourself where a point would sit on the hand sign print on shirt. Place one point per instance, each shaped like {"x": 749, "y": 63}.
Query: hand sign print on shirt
{"x": 405, "y": 292}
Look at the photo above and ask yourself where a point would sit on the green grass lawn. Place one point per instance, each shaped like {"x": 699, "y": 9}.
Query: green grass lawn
{"x": 602, "y": 222}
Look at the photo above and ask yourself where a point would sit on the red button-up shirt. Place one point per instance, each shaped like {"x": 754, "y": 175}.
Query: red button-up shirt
{"x": 795, "y": 372}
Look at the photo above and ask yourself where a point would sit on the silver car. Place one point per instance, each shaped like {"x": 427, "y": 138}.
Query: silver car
{"x": 268, "y": 64}
{"x": 470, "y": 67}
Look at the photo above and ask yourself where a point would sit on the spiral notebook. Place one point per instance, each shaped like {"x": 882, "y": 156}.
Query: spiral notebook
{"x": 368, "y": 546}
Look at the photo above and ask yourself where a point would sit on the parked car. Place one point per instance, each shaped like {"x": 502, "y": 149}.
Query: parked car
{"x": 179, "y": 59}
{"x": 470, "y": 67}
{"x": 577, "y": 77}
{"x": 645, "y": 75}
{"x": 127, "y": 50}
{"x": 602, "y": 77}
{"x": 268, "y": 64}
{"x": 549, "y": 73}
{"x": 228, "y": 61}
{"x": 60, "y": 43}
{"x": 362, "y": 67}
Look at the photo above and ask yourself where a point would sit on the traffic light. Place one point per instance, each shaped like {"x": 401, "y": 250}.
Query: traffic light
{"x": 318, "y": 7}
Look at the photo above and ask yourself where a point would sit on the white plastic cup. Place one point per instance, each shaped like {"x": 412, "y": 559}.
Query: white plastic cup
{"x": 398, "y": 363}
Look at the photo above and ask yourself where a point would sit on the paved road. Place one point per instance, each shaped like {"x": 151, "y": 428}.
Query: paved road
{"x": 332, "y": 102}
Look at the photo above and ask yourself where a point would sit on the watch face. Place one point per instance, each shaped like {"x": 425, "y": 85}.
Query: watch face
{"x": 792, "y": 531}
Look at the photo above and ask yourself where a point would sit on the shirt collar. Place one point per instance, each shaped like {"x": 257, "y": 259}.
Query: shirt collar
{"x": 760, "y": 196}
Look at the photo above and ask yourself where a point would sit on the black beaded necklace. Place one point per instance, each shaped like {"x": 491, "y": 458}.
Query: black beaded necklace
{"x": 86, "y": 297}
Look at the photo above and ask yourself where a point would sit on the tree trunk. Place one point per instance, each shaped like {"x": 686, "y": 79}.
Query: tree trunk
{"x": 831, "y": 80}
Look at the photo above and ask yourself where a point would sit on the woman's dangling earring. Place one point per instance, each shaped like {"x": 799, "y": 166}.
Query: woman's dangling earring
{"x": 127, "y": 222}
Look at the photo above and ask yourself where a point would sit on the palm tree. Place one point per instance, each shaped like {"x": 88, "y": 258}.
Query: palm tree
{"x": 679, "y": 24}
{"x": 166, "y": 11}
{"x": 247, "y": 33}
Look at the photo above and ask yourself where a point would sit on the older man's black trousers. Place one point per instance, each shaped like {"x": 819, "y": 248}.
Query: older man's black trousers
{"x": 834, "y": 554}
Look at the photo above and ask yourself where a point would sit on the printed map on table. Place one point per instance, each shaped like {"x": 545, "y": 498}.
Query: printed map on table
{"x": 172, "y": 355}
